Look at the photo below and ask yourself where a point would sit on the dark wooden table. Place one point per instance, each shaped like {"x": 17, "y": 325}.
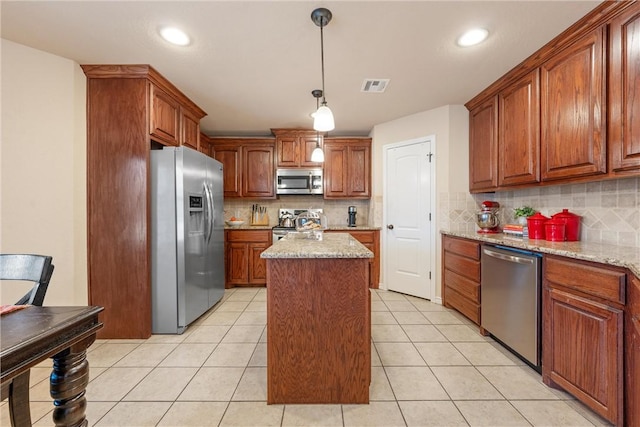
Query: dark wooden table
{"x": 33, "y": 334}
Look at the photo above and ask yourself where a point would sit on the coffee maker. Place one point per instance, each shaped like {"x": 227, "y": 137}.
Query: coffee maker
{"x": 352, "y": 216}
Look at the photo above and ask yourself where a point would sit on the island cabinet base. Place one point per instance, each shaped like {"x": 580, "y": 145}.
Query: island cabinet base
{"x": 318, "y": 330}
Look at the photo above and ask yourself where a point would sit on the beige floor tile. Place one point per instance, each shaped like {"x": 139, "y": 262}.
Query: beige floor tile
{"x": 483, "y": 354}
{"x": 37, "y": 375}
{"x": 243, "y": 334}
{"x": 375, "y": 359}
{"x": 41, "y": 391}
{"x": 385, "y": 414}
{"x": 162, "y": 384}
{"x": 232, "y": 305}
{"x": 382, "y": 318}
{"x": 388, "y": 333}
{"x": 380, "y": 388}
{"x": 465, "y": 383}
{"x": 252, "y": 318}
{"x": 550, "y": 413}
{"x": 247, "y": 295}
{"x": 443, "y": 318}
{"x": 212, "y": 384}
{"x": 440, "y": 354}
{"x": 167, "y": 339}
{"x": 312, "y": 416}
{"x": 400, "y": 305}
{"x": 410, "y": 318}
{"x": 517, "y": 382}
{"x": 423, "y": 333}
{"x": 259, "y": 356}
{"x": 415, "y": 383}
{"x": 425, "y": 305}
{"x": 491, "y": 413}
{"x": 254, "y": 414}
{"x": 109, "y": 354}
{"x": 41, "y": 412}
{"x": 378, "y": 306}
{"x": 146, "y": 355}
{"x": 221, "y": 318}
{"x": 194, "y": 414}
{"x": 260, "y": 296}
{"x": 461, "y": 333}
{"x": 263, "y": 337}
{"x": 188, "y": 355}
{"x": 252, "y": 386}
{"x": 257, "y": 306}
{"x": 139, "y": 414}
{"x": 594, "y": 418}
{"x": 114, "y": 383}
{"x": 207, "y": 334}
{"x": 391, "y": 296}
{"x": 234, "y": 354}
{"x": 432, "y": 413}
{"x": 399, "y": 354}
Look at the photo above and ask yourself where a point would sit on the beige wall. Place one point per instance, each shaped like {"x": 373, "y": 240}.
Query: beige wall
{"x": 43, "y": 167}
{"x": 450, "y": 126}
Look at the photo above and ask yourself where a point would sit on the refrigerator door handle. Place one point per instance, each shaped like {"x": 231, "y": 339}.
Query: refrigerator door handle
{"x": 210, "y": 218}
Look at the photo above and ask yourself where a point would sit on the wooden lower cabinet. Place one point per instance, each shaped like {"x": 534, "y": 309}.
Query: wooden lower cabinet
{"x": 243, "y": 265}
{"x": 632, "y": 352}
{"x": 370, "y": 239}
{"x": 461, "y": 276}
{"x": 583, "y": 347}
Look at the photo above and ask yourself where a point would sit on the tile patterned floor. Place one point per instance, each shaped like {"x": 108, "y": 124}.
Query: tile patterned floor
{"x": 431, "y": 367}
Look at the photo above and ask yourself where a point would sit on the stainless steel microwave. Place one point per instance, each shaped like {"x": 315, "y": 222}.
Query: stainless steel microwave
{"x": 299, "y": 181}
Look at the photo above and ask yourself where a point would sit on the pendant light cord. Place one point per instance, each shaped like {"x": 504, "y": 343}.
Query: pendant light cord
{"x": 324, "y": 101}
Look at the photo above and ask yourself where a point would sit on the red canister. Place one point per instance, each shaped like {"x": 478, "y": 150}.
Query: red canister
{"x": 572, "y": 224}
{"x": 555, "y": 230}
{"x": 535, "y": 224}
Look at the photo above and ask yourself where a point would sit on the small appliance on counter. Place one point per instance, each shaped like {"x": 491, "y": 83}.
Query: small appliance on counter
{"x": 487, "y": 219}
{"x": 352, "y": 216}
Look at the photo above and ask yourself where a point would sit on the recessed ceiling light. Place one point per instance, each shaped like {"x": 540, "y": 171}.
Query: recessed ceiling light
{"x": 473, "y": 37}
{"x": 175, "y": 36}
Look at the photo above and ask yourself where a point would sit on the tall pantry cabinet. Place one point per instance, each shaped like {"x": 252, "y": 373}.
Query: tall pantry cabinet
{"x": 129, "y": 108}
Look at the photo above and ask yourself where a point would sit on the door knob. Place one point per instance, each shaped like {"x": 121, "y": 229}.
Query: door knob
{"x": 390, "y": 226}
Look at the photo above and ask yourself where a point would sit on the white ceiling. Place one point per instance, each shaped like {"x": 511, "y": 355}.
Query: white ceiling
{"x": 252, "y": 65}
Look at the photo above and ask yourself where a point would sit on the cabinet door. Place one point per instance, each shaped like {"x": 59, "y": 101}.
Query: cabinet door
{"x": 519, "y": 132}
{"x": 632, "y": 355}
{"x": 307, "y": 144}
{"x": 287, "y": 151}
{"x": 237, "y": 263}
{"x": 190, "y": 130}
{"x": 573, "y": 111}
{"x": 258, "y": 172}
{"x": 164, "y": 123}
{"x": 483, "y": 147}
{"x": 624, "y": 92}
{"x": 335, "y": 170}
{"x": 359, "y": 171}
{"x": 582, "y": 351}
{"x": 257, "y": 265}
{"x": 229, "y": 156}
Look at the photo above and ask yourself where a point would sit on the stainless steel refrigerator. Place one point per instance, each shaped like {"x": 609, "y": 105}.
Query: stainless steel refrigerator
{"x": 187, "y": 237}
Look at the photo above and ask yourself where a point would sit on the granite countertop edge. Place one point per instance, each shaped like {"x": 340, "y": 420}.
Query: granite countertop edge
{"x": 332, "y": 245}
{"x": 329, "y": 228}
{"x": 619, "y": 256}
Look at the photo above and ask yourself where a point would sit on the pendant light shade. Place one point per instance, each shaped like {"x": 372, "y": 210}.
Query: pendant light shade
{"x": 317, "y": 155}
{"x": 323, "y": 117}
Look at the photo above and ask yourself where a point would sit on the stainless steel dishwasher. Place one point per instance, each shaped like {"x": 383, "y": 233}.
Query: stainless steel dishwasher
{"x": 510, "y": 299}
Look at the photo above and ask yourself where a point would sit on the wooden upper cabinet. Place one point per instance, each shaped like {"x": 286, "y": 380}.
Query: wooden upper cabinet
{"x": 248, "y": 166}
{"x": 190, "y": 125}
{"x": 294, "y": 147}
{"x": 624, "y": 92}
{"x": 573, "y": 86}
{"x": 205, "y": 145}
{"x": 519, "y": 132}
{"x": 164, "y": 125}
{"x": 258, "y": 173}
{"x": 483, "y": 146}
{"x": 347, "y": 168}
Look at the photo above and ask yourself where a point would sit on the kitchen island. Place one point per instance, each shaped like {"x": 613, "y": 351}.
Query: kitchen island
{"x": 318, "y": 320}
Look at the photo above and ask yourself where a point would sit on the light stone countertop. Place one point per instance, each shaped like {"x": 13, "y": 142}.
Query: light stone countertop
{"x": 247, "y": 226}
{"x": 620, "y": 256}
{"x": 332, "y": 245}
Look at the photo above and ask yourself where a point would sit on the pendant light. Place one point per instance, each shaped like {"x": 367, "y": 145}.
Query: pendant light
{"x": 317, "y": 155}
{"x": 323, "y": 117}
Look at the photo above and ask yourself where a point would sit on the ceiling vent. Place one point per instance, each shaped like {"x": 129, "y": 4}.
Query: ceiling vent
{"x": 374, "y": 85}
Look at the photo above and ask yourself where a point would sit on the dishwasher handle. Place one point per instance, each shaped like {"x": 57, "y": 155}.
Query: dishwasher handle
{"x": 509, "y": 258}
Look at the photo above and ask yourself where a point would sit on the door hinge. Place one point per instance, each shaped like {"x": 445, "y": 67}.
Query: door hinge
{"x": 429, "y": 275}
{"x": 429, "y": 156}
{"x": 429, "y": 216}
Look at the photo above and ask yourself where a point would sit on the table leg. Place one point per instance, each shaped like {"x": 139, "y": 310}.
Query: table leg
{"x": 69, "y": 381}
{"x": 19, "y": 410}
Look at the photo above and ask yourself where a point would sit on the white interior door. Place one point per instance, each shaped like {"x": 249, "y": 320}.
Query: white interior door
{"x": 408, "y": 223}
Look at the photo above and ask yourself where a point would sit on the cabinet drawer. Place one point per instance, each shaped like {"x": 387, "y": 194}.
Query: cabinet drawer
{"x": 462, "y": 304}
{"x": 249, "y": 236}
{"x": 461, "y": 265}
{"x": 462, "y": 247}
{"x": 466, "y": 287}
{"x": 363, "y": 236}
{"x": 592, "y": 279}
